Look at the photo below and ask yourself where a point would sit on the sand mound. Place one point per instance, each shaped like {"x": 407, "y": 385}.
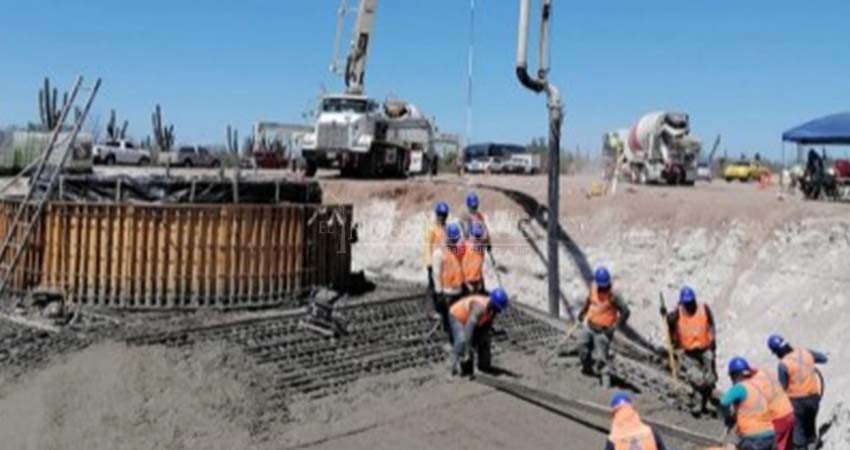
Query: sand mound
{"x": 111, "y": 396}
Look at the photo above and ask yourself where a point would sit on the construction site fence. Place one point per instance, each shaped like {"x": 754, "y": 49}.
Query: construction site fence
{"x": 139, "y": 256}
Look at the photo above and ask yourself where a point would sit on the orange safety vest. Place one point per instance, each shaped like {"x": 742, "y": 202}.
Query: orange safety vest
{"x": 778, "y": 402}
{"x": 753, "y": 414}
{"x": 461, "y": 309}
{"x": 694, "y": 331}
{"x": 451, "y": 269}
{"x": 435, "y": 236}
{"x": 473, "y": 263}
{"x": 628, "y": 432}
{"x": 803, "y": 379}
{"x": 601, "y": 311}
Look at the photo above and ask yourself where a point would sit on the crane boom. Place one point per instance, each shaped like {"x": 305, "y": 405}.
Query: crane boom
{"x": 355, "y": 65}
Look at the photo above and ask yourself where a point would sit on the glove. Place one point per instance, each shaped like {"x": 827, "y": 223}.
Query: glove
{"x": 490, "y": 248}
{"x": 662, "y": 310}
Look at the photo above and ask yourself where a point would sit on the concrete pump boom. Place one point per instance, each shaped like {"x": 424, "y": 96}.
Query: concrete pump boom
{"x": 355, "y": 64}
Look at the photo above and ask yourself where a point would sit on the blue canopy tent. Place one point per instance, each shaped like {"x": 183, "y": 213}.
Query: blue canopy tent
{"x": 833, "y": 129}
{"x": 827, "y": 130}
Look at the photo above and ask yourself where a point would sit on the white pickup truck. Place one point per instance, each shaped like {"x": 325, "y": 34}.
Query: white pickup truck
{"x": 189, "y": 156}
{"x": 121, "y": 152}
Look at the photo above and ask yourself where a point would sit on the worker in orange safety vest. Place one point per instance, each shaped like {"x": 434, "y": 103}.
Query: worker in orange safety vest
{"x": 692, "y": 329}
{"x": 435, "y": 236}
{"x": 802, "y": 381}
{"x": 601, "y": 315}
{"x": 628, "y": 432}
{"x": 473, "y": 260}
{"x": 471, "y": 320}
{"x": 448, "y": 276}
{"x": 749, "y": 407}
{"x": 474, "y": 215}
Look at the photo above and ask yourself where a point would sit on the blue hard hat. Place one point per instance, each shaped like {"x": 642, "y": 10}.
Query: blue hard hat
{"x": 476, "y": 230}
{"x": 453, "y": 233}
{"x": 472, "y": 200}
{"x": 620, "y": 399}
{"x": 602, "y": 278}
{"x": 687, "y": 296}
{"x": 441, "y": 209}
{"x": 499, "y": 299}
{"x": 738, "y": 365}
{"x": 776, "y": 343}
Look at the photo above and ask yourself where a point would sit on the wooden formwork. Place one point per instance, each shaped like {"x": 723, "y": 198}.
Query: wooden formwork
{"x": 184, "y": 256}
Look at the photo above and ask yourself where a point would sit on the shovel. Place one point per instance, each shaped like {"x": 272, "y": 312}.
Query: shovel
{"x": 563, "y": 341}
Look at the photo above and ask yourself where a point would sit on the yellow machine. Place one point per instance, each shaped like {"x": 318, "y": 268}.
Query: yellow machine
{"x": 745, "y": 171}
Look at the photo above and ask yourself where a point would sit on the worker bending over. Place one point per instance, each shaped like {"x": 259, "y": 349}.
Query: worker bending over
{"x": 471, "y": 321}
{"x": 601, "y": 315}
{"x": 801, "y": 380}
{"x": 628, "y": 432}
{"x": 448, "y": 274}
{"x": 473, "y": 259}
{"x": 691, "y": 327}
{"x": 758, "y": 407}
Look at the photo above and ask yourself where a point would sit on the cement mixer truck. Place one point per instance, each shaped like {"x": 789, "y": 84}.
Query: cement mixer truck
{"x": 657, "y": 149}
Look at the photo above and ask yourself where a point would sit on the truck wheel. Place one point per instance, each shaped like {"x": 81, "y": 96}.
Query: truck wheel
{"x": 144, "y": 161}
{"x": 310, "y": 167}
{"x": 729, "y": 179}
{"x": 110, "y": 160}
{"x": 187, "y": 162}
{"x": 216, "y": 163}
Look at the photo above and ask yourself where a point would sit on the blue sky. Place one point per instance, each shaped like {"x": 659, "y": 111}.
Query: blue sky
{"x": 745, "y": 69}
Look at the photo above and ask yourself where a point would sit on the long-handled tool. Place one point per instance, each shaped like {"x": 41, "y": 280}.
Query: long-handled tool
{"x": 671, "y": 357}
{"x": 495, "y": 267}
{"x": 563, "y": 341}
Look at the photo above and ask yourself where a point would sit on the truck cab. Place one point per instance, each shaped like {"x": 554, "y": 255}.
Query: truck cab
{"x": 121, "y": 151}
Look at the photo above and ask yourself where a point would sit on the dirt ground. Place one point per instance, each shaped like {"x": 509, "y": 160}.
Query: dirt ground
{"x": 764, "y": 262}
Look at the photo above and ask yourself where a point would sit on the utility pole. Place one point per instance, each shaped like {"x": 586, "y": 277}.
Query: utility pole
{"x": 469, "y": 67}
{"x": 537, "y": 85}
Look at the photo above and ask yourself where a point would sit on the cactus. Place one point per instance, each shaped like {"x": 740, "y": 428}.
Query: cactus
{"x": 232, "y": 140}
{"x": 164, "y": 136}
{"x": 113, "y": 133}
{"x": 48, "y": 109}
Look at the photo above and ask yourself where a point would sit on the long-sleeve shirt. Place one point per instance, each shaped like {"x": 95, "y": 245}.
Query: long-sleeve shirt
{"x": 435, "y": 236}
{"x": 735, "y": 395}
{"x": 437, "y": 258}
{"x": 659, "y": 444}
{"x": 466, "y": 222}
{"x": 618, "y": 302}
{"x": 673, "y": 321}
{"x": 782, "y": 370}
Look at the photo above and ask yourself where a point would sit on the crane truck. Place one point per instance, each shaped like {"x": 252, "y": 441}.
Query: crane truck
{"x": 658, "y": 148}
{"x": 356, "y": 134}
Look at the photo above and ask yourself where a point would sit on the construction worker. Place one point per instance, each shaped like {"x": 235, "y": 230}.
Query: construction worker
{"x": 435, "y": 236}
{"x": 473, "y": 260}
{"x": 473, "y": 215}
{"x": 471, "y": 321}
{"x": 448, "y": 274}
{"x": 628, "y": 432}
{"x": 759, "y": 411}
{"x": 691, "y": 328}
{"x": 601, "y": 315}
{"x": 801, "y": 380}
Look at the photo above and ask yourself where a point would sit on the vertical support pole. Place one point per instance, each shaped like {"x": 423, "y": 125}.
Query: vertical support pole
{"x": 539, "y": 84}
{"x": 552, "y": 225}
